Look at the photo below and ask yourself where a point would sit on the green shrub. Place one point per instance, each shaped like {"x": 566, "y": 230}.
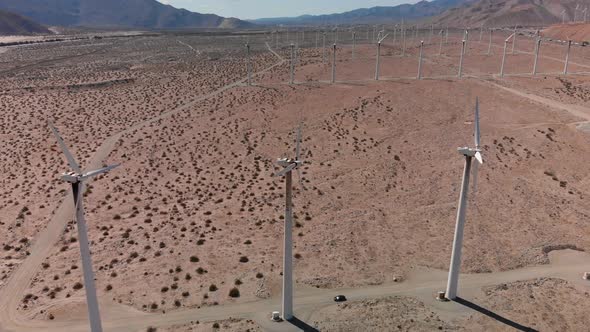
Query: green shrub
{"x": 234, "y": 292}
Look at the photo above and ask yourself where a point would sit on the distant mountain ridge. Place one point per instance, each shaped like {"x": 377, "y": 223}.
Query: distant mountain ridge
{"x": 374, "y": 15}
{"x": 116, "y": 13}
{"x": 502, "y": 13}
{"x": 14, "y": 24}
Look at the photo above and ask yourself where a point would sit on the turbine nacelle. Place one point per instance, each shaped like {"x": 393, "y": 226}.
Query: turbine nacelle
{"x": 71, "y": 177}
{"x": 289, "y": 165}
{"x": 471, "y": 152}
{"x": 286, "y": 162}
{"x": 292, "y": 164}
{"x": 468, "y": 152}
{"x": 76, "y": 175}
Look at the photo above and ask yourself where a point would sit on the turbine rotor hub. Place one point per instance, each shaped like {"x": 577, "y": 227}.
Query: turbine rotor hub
{"x": 71, "y": 177}
{"x": 468, "y": 152}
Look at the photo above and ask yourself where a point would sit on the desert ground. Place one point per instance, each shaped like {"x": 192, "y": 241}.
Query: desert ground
{"x": 194, "y": 211}
{"x": 577, "y": 32}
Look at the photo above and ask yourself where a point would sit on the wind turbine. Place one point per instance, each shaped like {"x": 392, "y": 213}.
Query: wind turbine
{"x": 288, "y": 166}
{"x": 324, "y": 48}
{"x": 378, "y": 63}
{"x": 334, "y": 65}
{"x": 353, "y": 43}
{"x": 419, "y": 76}
{"x": 292, "y": 65}
{"x": 248, "y": 64}
{"x": 504, "y": 55}
{"x": 567, "y": 55}
{"x": 441, "y": 42}
{"x": 77, "y": 178}
{"x": 463, "y": 42}
{"x": 514, "y": 39}
{"x": 469, "y": 153}
{"x": 490, "y": 42}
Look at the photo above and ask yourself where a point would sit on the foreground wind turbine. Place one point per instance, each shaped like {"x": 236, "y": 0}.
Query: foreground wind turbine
{"x": 289, "y": 165}
{"x": 469, "y": 153}
{"x": 77, "y": 178}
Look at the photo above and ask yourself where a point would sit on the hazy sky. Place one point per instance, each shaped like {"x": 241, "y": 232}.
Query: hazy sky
{"x": 249, "y": 9}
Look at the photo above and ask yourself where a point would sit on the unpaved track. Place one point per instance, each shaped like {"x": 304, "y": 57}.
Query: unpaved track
{"x": 187, "y": 45}
{"x": 12, "y": 292}
{"x": 576, "y": 110}
{"x": 423, "y": 284}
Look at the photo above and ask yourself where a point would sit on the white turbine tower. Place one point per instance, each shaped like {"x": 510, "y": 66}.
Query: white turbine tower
{"x": 378, "y": 62}
{"x": 77, "y": 178}
{"x": 289, "y": 166}
{"x": 469, "y": 153}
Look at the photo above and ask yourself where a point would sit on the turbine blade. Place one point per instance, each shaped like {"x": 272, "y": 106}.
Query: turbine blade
{"x": 475, "y": 173}
{"x": 477, "y": 132}
{"x": 298, "y": 148}
{"x": 286, "y": 170}
{"x": 98, "y": 171}
{"x": 479, "y": 157}
{"x": 73, "y": 164}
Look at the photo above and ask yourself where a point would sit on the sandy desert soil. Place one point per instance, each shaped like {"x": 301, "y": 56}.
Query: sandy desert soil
{"x": 230, "y": 325}
{"x": 194, "y": 211}
{"x": 543, "y": 304}
{"x": 88, "y": 98}
{"x": 385, "y": 314}
{"x": 578, "y": 32}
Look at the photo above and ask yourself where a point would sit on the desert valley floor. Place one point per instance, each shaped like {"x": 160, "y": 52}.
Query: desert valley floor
{"x": 194, "y": 210}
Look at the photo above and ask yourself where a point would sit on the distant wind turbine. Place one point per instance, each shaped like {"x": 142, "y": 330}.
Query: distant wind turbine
{"x": 378, "y": 62}
{"x": 248, "y": 64}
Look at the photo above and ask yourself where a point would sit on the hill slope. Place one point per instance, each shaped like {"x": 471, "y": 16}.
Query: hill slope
{"x": 579, "y": 32}
{"x": 510, "y": 12}
{"x": 116, "y": 13}
{"x": 13, "y": 24}
{"x": 371, "y": 15}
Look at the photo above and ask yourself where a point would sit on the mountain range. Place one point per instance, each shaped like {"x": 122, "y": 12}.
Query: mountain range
{"x": 452, "y": 13}
{"x": 14, "y": 24}
{"x": 374, "y": 15}
{"x": 146, "y": 14}
{"x": 496, "y": 13}
{"x": 151, "y": 14}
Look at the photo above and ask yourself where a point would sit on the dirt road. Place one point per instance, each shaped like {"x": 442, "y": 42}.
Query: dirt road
{"x": 423, "y": 284}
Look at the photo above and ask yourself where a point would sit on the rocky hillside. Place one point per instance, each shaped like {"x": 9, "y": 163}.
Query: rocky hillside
{"x": 13, "y": 24}
{"x": 372, "y": 15}
{"x": 117, "y": 13}
{"x": 498, "y": 13}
